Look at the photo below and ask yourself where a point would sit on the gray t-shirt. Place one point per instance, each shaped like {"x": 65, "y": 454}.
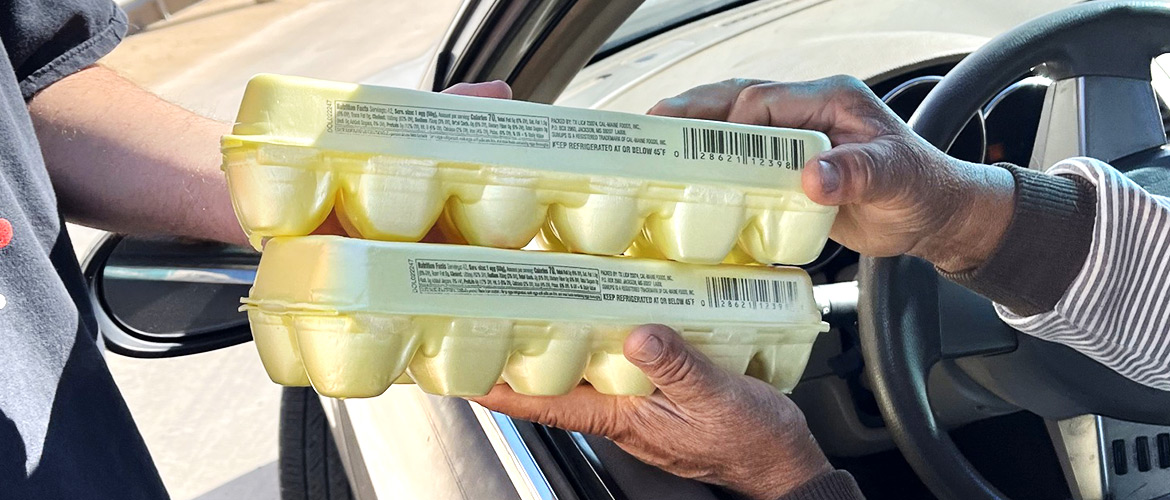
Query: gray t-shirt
{"x": 65, "y": 432}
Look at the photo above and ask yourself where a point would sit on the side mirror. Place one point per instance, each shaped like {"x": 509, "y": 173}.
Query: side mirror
{"x": 158, "y": 298}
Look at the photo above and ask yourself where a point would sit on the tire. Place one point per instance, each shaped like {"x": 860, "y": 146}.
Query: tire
{"x": 310, "y": 465}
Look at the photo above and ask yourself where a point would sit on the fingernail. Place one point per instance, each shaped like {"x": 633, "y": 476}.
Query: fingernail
{"x": 650, "y": 349}
{"x": 830, "y": 177}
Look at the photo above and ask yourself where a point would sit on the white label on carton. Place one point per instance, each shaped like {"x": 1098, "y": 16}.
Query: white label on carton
{"x": 548, "y": 132}
{"x": 597, "y": 284}
{"x": 325, "y": 273}
{"x": 538, "y": 131}
{"x": 439, "y": 124}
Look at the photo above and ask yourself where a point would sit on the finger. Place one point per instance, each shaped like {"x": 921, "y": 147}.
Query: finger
{"x": 839, "y": 176}
{"x": 497, "y": 89}
{"x": 705, "y": 102}
{"x": 583, "y": 409}
{"x": 332, "y": 225}
{"x": 682, "y": 373}
{"x": 842, "y": 107}
{"x": 856, "y": 173}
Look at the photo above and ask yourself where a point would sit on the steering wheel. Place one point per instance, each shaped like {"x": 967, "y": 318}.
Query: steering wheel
{"x": 1101, "y": 104}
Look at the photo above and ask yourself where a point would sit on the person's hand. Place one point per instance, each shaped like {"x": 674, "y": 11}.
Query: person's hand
{"x": 703, "y": 422}
{"x": 897, "y": 193}
{"x": 497, "y": 89}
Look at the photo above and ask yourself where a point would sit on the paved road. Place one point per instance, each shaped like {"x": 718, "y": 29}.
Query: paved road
{"x": 210, "y": 420}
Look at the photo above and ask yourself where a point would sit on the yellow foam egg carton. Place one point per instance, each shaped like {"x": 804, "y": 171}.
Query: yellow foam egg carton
{"x": 497, "y": 173}
{"x": 353, "y": 316}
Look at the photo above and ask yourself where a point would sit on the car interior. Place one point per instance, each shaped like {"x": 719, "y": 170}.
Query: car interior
{"x": 919, "y": 390}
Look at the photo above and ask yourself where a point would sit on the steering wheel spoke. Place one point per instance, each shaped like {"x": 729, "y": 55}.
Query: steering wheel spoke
{"x": 1104, "y": 117}
{"x": 1105, "y": 458}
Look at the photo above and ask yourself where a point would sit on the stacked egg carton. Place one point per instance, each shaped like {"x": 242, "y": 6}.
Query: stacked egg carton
{"x": 692, "y": 208}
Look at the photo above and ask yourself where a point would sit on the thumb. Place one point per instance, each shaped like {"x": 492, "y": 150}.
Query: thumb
{"x": 849, "y": 173}
{"x": 677, "y": 369}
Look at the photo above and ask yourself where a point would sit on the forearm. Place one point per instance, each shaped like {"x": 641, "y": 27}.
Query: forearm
{"x": 124, "y": 160}
{"x": 981, "y": 201}
{"x": 1117, "y": 307}
{"x": 835, "y": 485}
{"x": 1043, "y": 248}
{"x": 1086, "y": 262}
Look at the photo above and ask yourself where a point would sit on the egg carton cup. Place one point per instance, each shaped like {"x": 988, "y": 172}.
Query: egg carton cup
{"x": 686, "y": 190}
{"x": 292, "y": 191}
{"x": 457, "y": 320}
{"x": 360, "y": 355}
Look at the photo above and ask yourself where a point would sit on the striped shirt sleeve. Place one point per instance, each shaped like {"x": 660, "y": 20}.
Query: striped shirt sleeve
{"x": 1117, "y": 309}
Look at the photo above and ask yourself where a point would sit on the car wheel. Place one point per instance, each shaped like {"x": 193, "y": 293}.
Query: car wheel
{"x": 310, "y": 465}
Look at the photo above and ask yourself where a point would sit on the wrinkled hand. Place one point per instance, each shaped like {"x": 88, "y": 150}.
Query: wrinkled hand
{"x": 703, "y": 423}
{"x": 897, "y": 193}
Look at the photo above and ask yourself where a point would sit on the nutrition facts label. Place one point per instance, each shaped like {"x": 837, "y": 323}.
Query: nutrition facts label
{"x": 509, "y": 129}
{"x": 463, "y": 277}
{"x": 545, "y": 141}
{"x": 452, "y": 125}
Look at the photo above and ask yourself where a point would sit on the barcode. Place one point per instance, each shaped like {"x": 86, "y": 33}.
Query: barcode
{"x": 749, "y": 292}
{"x": 701, "y": 143}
